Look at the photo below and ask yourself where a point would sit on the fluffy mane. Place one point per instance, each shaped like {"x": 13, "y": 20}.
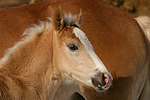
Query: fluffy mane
{"x": 71, "y": 20}
{"x": 29, "y": 35}
{"x": 32, "y": 33}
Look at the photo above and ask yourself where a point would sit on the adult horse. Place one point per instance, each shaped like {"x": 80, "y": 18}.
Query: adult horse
{"x": 51, "y": 54}
{"x": 116, "y": 37}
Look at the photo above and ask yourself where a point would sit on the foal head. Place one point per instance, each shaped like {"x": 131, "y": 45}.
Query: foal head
{"x": 74, "y": 55}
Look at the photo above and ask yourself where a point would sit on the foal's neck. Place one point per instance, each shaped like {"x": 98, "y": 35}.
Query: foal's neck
{"x": 30, "y": 61}
{"x": 31, "y": 55}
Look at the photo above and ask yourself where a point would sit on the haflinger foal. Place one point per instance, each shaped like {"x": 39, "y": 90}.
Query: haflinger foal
{"x": 51, "y": 54}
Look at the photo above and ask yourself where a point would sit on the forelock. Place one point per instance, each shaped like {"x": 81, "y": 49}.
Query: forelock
{"x": 70, "y": 20}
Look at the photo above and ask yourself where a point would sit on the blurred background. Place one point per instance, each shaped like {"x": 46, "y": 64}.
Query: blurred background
{"x": 14, "y": 3}
{"x": 133, "y": 7}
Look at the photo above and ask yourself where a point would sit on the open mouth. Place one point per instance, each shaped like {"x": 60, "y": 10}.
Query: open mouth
{"x": 101, "y": 82}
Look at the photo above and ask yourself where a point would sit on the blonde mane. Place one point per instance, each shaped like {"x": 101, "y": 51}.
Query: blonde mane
{"x": 32, "y": 33}
{"x": 29, "y": 35}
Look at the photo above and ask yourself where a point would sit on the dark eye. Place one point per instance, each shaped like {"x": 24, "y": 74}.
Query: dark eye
{"x": 72, "y": 47}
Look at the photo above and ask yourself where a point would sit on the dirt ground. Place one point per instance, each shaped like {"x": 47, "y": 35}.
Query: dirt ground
{"x": 133, "y": 7}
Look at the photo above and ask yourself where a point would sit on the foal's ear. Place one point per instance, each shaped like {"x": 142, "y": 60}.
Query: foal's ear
{"x": 79, "y": 18}
{"x": 58, "y": 19}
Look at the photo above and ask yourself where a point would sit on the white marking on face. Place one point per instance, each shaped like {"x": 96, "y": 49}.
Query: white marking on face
{"x": 49, "y": 18}
{"x": 89, "y": 48}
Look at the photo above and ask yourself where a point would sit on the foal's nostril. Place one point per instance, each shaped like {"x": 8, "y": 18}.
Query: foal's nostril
{"x": 106, "y": 78}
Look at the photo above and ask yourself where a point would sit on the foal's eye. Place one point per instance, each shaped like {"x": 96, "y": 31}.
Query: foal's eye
{"x": 72, "y": 47}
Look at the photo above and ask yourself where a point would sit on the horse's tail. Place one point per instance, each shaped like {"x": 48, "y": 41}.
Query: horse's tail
{"x": 144, "y": 23}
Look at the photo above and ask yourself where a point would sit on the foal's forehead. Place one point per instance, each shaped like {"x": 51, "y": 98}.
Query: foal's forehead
{"x": 83, "y": 38}
{"x": 77, "y": 34}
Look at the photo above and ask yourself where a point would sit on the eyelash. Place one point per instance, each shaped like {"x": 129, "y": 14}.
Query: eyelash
{"x": 73, "y": 47}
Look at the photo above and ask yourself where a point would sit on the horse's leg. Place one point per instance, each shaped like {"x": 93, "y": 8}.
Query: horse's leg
{"x": 145, "y": 95}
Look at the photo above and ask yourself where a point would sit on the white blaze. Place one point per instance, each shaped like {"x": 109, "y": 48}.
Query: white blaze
{"x": 89, "y": 48}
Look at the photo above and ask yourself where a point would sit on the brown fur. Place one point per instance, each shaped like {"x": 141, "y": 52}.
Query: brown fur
{"x": 24, "y": 75}
{"x": 116, "y": 37}
{"x": 37, "y": 67}
{"x": 27, "y": 71}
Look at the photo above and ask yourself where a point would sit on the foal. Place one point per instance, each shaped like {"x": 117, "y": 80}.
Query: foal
{"x": 48, "y": 55}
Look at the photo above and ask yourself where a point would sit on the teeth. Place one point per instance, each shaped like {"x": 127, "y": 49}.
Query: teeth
{"x": 105, "y": 75}
{"x": 106, "y": 80}
{"x": 99, "y": 85}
